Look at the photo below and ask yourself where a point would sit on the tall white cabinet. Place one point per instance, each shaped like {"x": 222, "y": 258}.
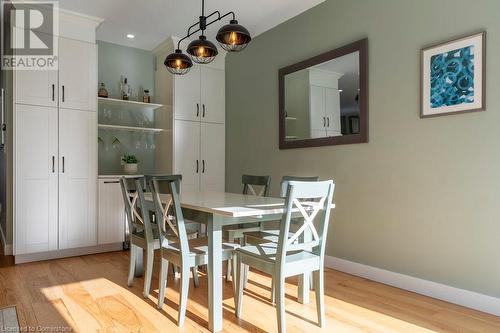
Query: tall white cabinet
{"x": 197, "y": 102}
{"x": 55, "y": 148}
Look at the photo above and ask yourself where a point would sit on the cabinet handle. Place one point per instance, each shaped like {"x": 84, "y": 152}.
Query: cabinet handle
{"x": 203, "y": 166}
{"x": 324, "y": 122}
{"x": 2, "y": 121}
{"x": 197, "y": 110}
{"x": 53, "y": 164}
{"x": 53, "y": 92}
{"x": 112, "y": 182}
{"x": 63, "y": 93}
{"x": 203, "y": 115}
{"x": 63, "y": 164}
{"x": 328, "y": 121}
{"x": 197, "y": 166}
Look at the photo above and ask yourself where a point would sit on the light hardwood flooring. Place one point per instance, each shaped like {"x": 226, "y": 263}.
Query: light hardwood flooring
{"x": 90, "y": 294}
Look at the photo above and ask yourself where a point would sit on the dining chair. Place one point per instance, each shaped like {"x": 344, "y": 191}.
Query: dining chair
{"x": 272, "y": 235}
{"x": 289, "y": 258}
{"x": 144, "y": 235}
{"x": 252, "y": 185}
{"x": 183, "y": 253}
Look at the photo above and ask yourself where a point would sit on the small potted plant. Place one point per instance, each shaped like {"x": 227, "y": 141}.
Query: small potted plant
{"x": 129, "y": 163}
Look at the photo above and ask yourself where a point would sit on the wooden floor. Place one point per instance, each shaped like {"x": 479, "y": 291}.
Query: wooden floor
{"x": 89, "y": 294}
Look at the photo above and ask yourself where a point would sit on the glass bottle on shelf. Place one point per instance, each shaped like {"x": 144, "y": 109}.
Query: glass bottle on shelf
{"x": 125, "y": 90}
{"x": 146, "y": 98}
{"x": 102, "y": 91}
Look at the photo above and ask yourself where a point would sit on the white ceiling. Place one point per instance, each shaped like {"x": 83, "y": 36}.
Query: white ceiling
{"x": 152, "y": 21}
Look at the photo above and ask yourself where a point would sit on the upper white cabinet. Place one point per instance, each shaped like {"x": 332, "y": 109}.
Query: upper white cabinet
{"x": 213, "y": 95}
{"x": 78, "y": 178}
{"x": 111, "y": 212}
{"x": 37, "y": 87}
{"x": 199, "y": 95}
{"x": 187, "y": 102}
{"x": 36, "y": 179}
{"x": 77, "y": 74}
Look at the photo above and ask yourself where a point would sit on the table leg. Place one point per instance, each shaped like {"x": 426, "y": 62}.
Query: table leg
{"x": 214, "y": 231}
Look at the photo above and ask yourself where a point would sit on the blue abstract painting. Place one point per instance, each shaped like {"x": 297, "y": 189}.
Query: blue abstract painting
{"x": 452, "y": 78}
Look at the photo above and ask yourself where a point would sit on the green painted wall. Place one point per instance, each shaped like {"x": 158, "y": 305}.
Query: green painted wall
{"x": 423, "y": 196}
{"x": 136, "y": 65}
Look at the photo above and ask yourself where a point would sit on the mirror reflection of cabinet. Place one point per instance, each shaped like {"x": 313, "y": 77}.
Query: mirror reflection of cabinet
{"x": 324, "y": 103}
{"x": 320, "y": 95}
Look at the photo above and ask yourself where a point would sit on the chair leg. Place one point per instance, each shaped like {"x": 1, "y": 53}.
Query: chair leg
{"x": 234, "y": 263}
{"x": 196, "y": 280}
{"x": 273, "y": 292}
{"x": 239, "y": 286}
{"x": 183, "y": 295}
{"x": 311, "y": 281}
{"x": 131, "y": 268}
{"x": 246, "y": 269}
{"x": 162, "y": 282}
{"x": 175, "y": 270}
{"x": 229, "y": 264}
{"x": 280, "y": 302}
{"x": 149, "y": 271}
{"x": 320, "y": 296}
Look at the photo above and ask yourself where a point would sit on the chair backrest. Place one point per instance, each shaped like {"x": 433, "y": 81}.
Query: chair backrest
{"x": 287, "y": 179}
{"x": 313, "y": 201}
{"x": 144, "y": 208}
{"x": 250, "y": 183}
{"x": 132, "y": 211}
{"x": 165, "y": 191}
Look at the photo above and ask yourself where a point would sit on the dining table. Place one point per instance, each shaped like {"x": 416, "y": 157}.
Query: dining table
{"x": 216, "y": 210}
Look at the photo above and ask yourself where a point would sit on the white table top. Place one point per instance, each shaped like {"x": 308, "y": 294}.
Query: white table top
{"x": 229, "y": 204}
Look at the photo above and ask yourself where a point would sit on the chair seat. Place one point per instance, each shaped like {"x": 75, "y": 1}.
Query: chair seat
{"x": 267, "y": 252}
{"x": 263, "y": 236}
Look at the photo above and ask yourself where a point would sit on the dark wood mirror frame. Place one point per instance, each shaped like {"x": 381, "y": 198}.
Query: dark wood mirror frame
{"x": 362, "y": 136}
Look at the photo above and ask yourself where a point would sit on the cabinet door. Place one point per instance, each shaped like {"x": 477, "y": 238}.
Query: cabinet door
{"x": 213, "y": 157}
{"x": 332, "y": 112}
{"x": 187, "y": 95}
{"x": 77, "y": 75}
{"x": 111, "y": 216}
{"x": 36, "y": 178}
{"x": 187, "y": 154}
{"x": 78, "y": 178}
{"x": 213, "y": 101}
{"x": 317, "y": 111}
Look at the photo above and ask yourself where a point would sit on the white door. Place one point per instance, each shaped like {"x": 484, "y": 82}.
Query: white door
{"x": 187, "y": 154}
{"x": 77, "y": 75}
{"x": 36, "y": 179}
{"x": 111, "y": 216}
{"x": 213, "y": 160}
{"x": 187, "y": 104}
{"x": 78, "y": 178}
{"x": 332, "y": 112}
{"x": 213, "y": 98}
{"x": 317, "y": 111}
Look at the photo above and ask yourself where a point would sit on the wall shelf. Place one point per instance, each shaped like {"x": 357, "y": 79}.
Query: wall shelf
{"x": 120, "y": 102}
{"x": 131, "y": 128}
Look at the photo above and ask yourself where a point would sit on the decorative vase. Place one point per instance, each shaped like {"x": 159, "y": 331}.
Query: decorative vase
{"x": 130, "y": 168}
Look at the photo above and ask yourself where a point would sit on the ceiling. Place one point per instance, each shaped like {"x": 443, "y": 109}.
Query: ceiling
{"x": 152, "y": 21}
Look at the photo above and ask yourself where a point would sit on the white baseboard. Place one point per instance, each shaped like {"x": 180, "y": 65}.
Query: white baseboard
{"x": 24, "y": 258}
{"x": 7, "y": 248}
{"x": 443, "y": 292}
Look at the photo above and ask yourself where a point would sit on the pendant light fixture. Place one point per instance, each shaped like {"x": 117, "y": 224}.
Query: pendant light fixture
{"x": 232, "y": 37}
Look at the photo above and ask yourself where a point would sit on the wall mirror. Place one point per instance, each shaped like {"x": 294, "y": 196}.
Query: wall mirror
{"x": 324, "y": 100}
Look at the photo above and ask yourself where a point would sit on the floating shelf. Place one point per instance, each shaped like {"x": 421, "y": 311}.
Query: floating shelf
{"x": 291, "y": 137}
{"x": 290, "y": 118}
{"x": 121, "y": 102}
{"x": 131, "y": 128}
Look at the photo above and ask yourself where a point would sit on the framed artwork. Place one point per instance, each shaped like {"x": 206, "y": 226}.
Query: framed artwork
{"x": 453, "y": 76}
